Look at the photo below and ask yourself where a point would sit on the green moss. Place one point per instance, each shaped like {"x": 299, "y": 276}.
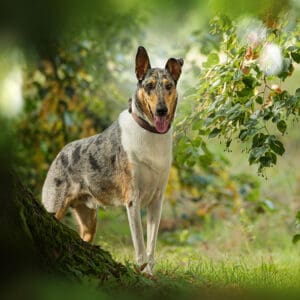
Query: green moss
{"x": 59, "y": 248}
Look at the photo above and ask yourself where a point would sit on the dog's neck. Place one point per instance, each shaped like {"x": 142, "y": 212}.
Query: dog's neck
{"x": 140, "y": 117}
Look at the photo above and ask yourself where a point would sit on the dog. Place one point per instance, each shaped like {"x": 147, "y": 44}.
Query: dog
{"x": 127, "y": 165}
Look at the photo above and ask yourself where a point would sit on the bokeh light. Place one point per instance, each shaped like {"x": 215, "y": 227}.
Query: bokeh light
{"x": 271, "y": 60}
{"x": 11, "y": 100}
{"x": 251, "y": 31}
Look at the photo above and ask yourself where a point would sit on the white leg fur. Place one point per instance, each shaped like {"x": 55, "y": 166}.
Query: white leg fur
{"x": 153, "y": 220}
{"x": 150, "y": 156}
{"x": 135, "y": 224}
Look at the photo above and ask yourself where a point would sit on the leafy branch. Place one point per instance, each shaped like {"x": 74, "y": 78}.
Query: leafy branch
{"x": 296, "y": 237}
{"x": 236, "y": 97}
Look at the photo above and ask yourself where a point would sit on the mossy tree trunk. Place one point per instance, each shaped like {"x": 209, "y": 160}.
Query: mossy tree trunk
{"x": 32, "y": 238}
{"x": 60, "y": 247}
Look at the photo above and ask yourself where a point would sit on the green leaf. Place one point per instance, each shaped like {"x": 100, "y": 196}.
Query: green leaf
{"x": 298, "y": 216}
{"x": 197, "y": 124}
{"x": 190, "y": 163}
{"x": 277, "y": 147}
{"x": 296, "y": 238}
{"x": 214, "y": 132}
{"x": 247, "y": 91}
{"x": 228, "y": 143}
{"x": 276, "y": 118}
{"x": 298, "y": 219}
{"x": 292, "y": 48}
{"x": 197, "y": 142}
{"x": 268, "y": 159}
{"x": 212, "y": 59}
{"x": 243, "y": 134}
{"x": 237, "y": 75}
{"x": 272, "y": 157}
{"x": 256, "y": 153}
{"x": 249, "y": 81}
{"x": 281, "y": 126}
{"x": 258, "y": 140}
{"x": 181, "y": 147}
{"x": 286, "y": 68}
{"x": 268, "y": 205}
{"x": 297, "y": 93}
{"x": 259, "y": 100}
{"x": 208, "y": 121}
{"x": 267, "y": 114}
{"x": 296, "y": 57}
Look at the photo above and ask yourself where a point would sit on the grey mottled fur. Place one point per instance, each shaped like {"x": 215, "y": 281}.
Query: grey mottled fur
{"x": 87, "y": 169}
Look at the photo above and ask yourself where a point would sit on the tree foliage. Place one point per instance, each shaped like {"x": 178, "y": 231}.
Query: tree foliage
{"x": 73, "y": 92}
{"x": 296, "y": 237}
{"x": 76, "y": 90}
{"x": 236, "y": 98}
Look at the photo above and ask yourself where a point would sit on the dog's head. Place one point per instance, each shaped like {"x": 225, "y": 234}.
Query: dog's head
{"x": 156, "y": 95}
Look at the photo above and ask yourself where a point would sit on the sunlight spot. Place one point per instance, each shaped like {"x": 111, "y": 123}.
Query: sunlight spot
{"x": 270, "y": 60}
{"x": 223, "y": 58}
{"x": 295, "y": 3}
{"x": 11, "y": 100}
{"x": 251, "y": 31}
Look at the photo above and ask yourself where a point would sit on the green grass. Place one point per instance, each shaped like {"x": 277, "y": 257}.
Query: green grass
{"x": 256, "y": 270}
{"x": 220, "y": 255}
{"x": 187, "y": 265}
{"x": 215, "y": 260}
{"x": 217, "y": 254}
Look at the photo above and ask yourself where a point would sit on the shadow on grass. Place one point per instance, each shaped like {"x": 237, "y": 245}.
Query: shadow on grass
{"x": 49, "y": 288}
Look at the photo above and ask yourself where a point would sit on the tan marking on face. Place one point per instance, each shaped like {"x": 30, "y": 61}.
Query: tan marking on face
{"x": 148, "y": 102}
{"x": 170, "y": 99}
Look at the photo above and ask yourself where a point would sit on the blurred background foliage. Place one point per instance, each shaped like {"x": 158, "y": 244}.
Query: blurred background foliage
{"x": 77, "y": 61}
{"x": 74, "y": 93}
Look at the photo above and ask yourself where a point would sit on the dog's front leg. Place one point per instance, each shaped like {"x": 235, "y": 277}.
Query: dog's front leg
{"x": 135, "y": 224}
{"x": 153, "y": 220}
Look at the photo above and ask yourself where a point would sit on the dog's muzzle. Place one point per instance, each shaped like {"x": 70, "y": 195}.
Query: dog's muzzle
{"x": 161, "y": 111}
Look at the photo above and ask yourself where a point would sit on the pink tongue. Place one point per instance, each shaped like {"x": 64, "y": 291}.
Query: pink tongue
{"x": 161, "y": 124}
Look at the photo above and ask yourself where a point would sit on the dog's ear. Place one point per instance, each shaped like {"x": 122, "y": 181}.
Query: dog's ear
{"x": 142, "y": 63}
{"x": 174, "y": 65}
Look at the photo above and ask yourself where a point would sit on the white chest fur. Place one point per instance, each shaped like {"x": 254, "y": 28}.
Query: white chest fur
{"x": 149, "y": 154}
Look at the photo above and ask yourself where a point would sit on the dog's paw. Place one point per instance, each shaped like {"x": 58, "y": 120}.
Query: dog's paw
{"x": 148, "y": 270}
{"x": 140, "y": 268}
{"x": 149, "y": 275}
{"x": 145, "y": 270}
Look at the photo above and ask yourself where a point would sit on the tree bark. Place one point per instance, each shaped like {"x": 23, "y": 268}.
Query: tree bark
{"x": 32, "y": 238}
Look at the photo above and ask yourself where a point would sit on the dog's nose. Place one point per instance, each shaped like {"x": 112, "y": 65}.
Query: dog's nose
{"x": 161, "y": 111}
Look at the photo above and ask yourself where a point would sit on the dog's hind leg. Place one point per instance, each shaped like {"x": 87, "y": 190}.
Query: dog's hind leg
{"x": 87, "y": 221}
{"x": 63, "y": 209}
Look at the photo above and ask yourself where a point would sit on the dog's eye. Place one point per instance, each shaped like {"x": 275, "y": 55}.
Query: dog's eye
{"x": 150, "y": 86}
{"x": 169, "y": 86}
